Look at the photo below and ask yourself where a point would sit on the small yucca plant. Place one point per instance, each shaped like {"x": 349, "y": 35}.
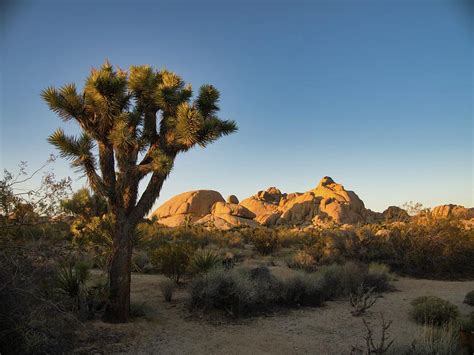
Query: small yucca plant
{"x": 205, "y": 260}
{"x": 71, "y": 277}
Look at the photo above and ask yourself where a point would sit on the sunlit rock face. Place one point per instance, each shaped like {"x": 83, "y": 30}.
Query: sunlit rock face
{"x": 187, "y": 207}
{"x": 205, "y": 207}
{"x": 328, "y": 203}
{"x": 445, "y": 211}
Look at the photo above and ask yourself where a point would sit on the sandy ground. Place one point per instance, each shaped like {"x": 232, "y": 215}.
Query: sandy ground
{"x": 170, "y": 328}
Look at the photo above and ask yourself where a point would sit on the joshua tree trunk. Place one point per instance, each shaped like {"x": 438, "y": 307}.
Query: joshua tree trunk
{"x": 118, "y": 307}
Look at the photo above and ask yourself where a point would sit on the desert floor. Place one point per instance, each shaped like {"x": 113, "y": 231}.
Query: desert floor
{"x": 171, "y": 328}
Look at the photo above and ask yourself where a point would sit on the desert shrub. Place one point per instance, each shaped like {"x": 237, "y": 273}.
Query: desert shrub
{"x": 167, "y": 289}
{"x": 302, "y": 290}
{"x": 378, "y": 277}
{"x": 433, "y": 310}
{"x": 172, "y": 259}
{"x": 421, "y": 247}
{"x": 302, "y": 260}
{"x": 353, "y": 275}
{"x": 246, "y": 292}
{"x": 373, "y": 344}
{"x": 268, "y": 288}
{"x": 153, "y": 236}
{"x": 266, "y": 241}
{"x": 231, "y": 291}
{"x": 340, "y": 280}
{"x": 362, "y": 300}
{"x": 297, "y": 239}
{"x": 330, "y": 281}
{"x": 439, "y": 248}
{"x": 205, "y": 260}
{"x": 469, "y": 299}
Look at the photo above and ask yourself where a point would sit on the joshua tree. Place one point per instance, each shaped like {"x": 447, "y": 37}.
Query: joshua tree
{"x": 134, "y": 123}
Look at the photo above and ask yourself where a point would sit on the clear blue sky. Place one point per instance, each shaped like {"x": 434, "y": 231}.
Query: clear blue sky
{"x": 376, "y": 94}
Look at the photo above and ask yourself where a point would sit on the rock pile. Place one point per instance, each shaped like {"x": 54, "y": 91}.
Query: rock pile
{"x": 328, "y": 202}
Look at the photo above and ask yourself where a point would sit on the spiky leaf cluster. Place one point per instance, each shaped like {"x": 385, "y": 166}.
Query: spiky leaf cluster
{"x": 134, "y": 122}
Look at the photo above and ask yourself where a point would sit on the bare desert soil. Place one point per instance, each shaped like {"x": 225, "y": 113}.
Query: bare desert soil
{"x": 170, "y": 328}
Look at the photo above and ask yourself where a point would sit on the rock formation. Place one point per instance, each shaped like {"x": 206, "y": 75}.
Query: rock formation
{"x": 226, "y": 216}
{"x": 445, "y": 211}
{"x": 328, "y": 203}
{"x": 187, "y": 207}
{"x": 232, "y": 199}
{"x": 395, "y": 214}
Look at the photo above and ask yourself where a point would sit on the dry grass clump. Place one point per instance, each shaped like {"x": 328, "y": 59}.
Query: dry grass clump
{"x": 433, "y": 310}
{"x": 302, "y": 260}
{"x": 434, "y": 340}
{"x": 167, "y": 288}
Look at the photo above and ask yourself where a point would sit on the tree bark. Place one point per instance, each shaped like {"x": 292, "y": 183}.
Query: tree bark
{"x": 118, "y": 307}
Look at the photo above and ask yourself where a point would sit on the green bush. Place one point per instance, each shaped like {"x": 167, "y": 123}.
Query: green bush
{"x": 469, "y": 299}
{"x": 266, "y": 241}
{"x": 378, "y": 277}
{"x": 172, "y": 259}
{"x": 433, "y": 310}
{"x": 205, "y": 260}
{"x": 72, "y": 276}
